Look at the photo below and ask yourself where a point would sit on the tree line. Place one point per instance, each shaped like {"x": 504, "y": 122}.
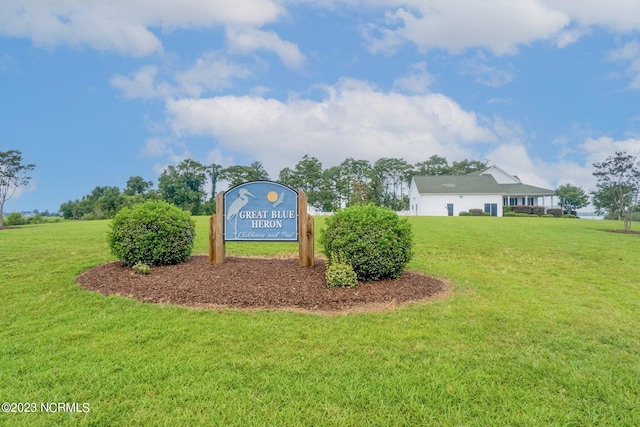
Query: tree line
{"x": 384, "y": 182}
{"x": 192, "y": 185}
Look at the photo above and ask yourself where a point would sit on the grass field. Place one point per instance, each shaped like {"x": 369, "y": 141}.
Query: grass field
{"x": 542, "y": 328}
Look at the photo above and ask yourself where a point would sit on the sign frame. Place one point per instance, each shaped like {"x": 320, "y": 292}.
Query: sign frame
{"x": 304, "y": 222}
{"x": 261, "y": 211}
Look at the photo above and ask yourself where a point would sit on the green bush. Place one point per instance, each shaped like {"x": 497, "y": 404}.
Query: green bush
{"x": 15, "y": 218}
{"x": 374, "y": 240}
{"x": 569, "y": 216}
{"x": 340, "y": 273}
{"x": 152, "y": 233}
{"x": 464, "y": 213}
{"x": 556, "y": 212}
{"x": 141, "y": 268}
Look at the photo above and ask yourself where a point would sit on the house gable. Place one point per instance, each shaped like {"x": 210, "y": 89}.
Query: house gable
{"x": 500, "y": 176}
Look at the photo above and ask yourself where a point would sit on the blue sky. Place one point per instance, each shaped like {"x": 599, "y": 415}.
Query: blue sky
{"x": 96, "y": 92}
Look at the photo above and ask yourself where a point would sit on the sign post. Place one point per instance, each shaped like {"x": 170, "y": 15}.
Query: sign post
{"x": 261, "y": 211}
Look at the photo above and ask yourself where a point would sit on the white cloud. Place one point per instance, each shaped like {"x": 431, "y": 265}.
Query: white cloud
{"x": 597, "y": 150}
{"x": 210, "y": 72}
{"x": 488, "y": 75}
{"x": 130, "y": 27}
{"x": 497, "y": 25}
{"x": 417, "y": 81}
{"x": 124, "y": 26}
{"x": 616, "y": 15}
{"x": 141, "y": 85}
{"x": 630, "y": 53}
{"x": 592, "y": 150}
{"x": 247, "y": 40}
{"x": 353, "y": 120}
{"x": 500, "y": 26}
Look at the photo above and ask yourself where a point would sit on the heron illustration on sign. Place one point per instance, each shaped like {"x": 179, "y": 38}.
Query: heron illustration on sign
{"x": 236, "y": 207}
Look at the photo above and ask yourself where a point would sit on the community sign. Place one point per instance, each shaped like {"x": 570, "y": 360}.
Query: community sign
{"x": 261, "y": 210}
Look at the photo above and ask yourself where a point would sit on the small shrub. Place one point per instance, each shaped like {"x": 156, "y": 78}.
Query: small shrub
{"x": 530, "y": 210}
{"x": 142, "y": 268}
{"x": 476, "y": 212}
{"x": 547, "y": 216}
{"x": 340, "y": 273}
{"x": 37, "y": 219}
{"x": 153, "y": 233}
{"x": 510, "y": 213}
{"x": 507, "y": 208}
{"x": 373, "y": 239}
{"x": 464, "y": 213}
{"x": 15, "y": 218}
{"x": 557, "y": 212}
{"x": 570, "y": 216}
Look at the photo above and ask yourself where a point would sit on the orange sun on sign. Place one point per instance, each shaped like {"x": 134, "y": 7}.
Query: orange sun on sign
{"x": 272, "y": 196}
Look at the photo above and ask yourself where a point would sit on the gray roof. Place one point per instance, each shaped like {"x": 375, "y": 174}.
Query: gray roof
{"x": 525, "y": 190}
{"x": 458, "y": 184}
{"x": 474, "y": 184}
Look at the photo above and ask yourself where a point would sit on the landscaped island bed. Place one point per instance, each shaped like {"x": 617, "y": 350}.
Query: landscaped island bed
{"x": 251, "y": 282}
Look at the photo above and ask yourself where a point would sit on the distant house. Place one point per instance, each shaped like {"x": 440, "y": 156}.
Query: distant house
{"x": 489, "y": 190}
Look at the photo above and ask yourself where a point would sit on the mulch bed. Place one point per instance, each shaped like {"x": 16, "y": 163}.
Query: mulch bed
{"x": 258, "y": 283}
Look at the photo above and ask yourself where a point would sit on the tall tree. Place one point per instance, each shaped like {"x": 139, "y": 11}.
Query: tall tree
{"x": 237, "y": 174}
{"x": 214, "y": 174}
{"x": 12, "y": 175}
{"x": 619, "y": 176}
{"x": 354, "y": 176}
{"x": 183, "y": 185}
{"x": 390, "y": 178}
{"x": 571, "y": 198}
{"x": 137, "y": 185}
{"x": 436, "y": 165}
{"x": 465, "y": 167}
{"x": 307, "y": 176}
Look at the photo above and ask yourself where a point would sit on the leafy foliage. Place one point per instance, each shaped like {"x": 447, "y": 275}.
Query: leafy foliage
{"x": 153, "y": 233}
{"x": 340, "y": 272}
{"x": 12, "y": 175}
{"x": 572, "y": 198}
{"x": 618, "y": 186}
{"x": 141, "y": 267}
{"x": 376, "y": 242}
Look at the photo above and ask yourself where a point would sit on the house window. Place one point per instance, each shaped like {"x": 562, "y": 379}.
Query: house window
{"x": 530, "y": 201}
{"x": 513, "y": 201}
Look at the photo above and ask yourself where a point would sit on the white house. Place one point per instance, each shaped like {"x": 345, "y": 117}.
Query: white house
{"x": 489, "y": 190}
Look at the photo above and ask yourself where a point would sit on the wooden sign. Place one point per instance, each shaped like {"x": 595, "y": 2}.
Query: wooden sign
{"x": 261, "y": 211}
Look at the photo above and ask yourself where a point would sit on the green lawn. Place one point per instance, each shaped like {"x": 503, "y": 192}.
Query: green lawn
{"x": 542, "y": 328}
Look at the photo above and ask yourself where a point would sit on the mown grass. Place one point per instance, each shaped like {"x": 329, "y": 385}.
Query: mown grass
{"x": 542, "y": 328}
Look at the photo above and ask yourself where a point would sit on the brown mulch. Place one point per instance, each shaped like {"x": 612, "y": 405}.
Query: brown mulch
{"x": 258, "y": 283}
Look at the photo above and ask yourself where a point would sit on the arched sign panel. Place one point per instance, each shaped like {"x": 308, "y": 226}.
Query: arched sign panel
{"x": 261, "y": 210}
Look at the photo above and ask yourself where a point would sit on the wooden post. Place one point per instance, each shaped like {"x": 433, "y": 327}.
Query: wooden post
{"x": 216, "y": 232}
{"x": 306, "y": 256}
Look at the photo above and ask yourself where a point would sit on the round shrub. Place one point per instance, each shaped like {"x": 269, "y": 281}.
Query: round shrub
{"x": 374, "y": 240}
{"x": 153, "y": 233}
